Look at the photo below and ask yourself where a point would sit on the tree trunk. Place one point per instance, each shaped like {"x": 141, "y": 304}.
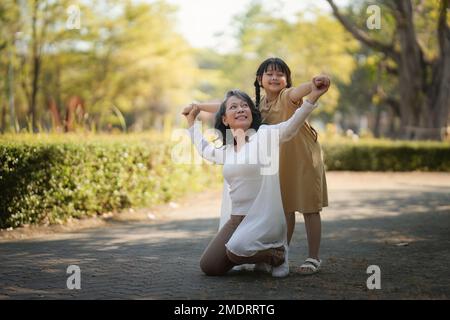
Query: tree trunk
{"x": 11, "y": 93}
{"x": 36, "y": 61}
{"x": 377, "y": 122}
{"x": 3, "y": 118}
{"x": 424, "y": 86}
{"x": 424, "y": 102}
{"x": 411, "y": 73}
{"x": 34, "y": 91}
{"x": 439, "y": 91}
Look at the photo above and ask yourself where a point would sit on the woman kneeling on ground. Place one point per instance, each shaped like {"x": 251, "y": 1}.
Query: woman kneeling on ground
{"x": 256, "y": 230}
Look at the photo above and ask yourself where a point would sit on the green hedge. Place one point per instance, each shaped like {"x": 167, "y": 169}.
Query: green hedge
{"x": 374, "y": 155}
{"x": 52, "y": 181}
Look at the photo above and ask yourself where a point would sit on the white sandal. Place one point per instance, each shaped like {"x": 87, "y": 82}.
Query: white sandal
{"x": 243, "y": 267}
{"x": 313, "y": 265}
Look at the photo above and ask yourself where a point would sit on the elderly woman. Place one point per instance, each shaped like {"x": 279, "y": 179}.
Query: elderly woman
{"x": 255, "y": 232}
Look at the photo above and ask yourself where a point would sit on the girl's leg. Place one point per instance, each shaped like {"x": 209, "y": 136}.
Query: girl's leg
{"x": 313, "y": 228}
{"x": 214, "y": 260}
{"x": 290, "y": 222}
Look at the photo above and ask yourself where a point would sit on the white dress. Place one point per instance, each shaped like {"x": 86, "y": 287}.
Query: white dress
{"x": 251, "y": 185}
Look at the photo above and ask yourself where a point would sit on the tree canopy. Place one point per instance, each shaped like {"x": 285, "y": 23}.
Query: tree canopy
{"x": 123, "y": 64}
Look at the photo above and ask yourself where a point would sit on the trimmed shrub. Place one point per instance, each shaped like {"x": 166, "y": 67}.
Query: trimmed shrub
{"x": 48, "y": 182}
{"x": 373, "y": 155}
{"x": 48, "y": 179}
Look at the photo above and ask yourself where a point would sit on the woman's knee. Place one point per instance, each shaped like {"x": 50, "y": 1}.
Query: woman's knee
{"x": 233, "y": 258}
{"x": 210, "y": 268}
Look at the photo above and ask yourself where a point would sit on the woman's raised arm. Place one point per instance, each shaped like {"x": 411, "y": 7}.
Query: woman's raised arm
{"x": 211, "y": 107}
{"x": 204, "y": 148}
{"x": 289, "y": 128}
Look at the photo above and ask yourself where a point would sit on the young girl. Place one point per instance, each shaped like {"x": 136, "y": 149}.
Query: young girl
{"x": 302, "y": 175}
{"x": 256, "y": 229}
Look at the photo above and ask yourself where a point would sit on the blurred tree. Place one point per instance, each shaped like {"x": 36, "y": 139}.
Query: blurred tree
{"x": 9, "y": 26}
{"x": 310, "y": 46}
{"x": 320, "y": 46}
{"x": 119, "y": 57}
{"x": 370, "y": 94}
{"x": 418, "y": 44}
{"x": 134, "y": 61}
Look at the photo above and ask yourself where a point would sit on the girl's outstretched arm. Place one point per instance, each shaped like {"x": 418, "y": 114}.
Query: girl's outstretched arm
{"x": 211, "y": 107}
{"x": 289, "y": 128}
{"x": 299, "y": 92}
{"x": 304, "y": 89}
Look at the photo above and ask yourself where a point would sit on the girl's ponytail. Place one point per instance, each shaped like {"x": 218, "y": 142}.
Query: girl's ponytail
{"x": 257, "y": 93}
{"x": 315, "y": 134}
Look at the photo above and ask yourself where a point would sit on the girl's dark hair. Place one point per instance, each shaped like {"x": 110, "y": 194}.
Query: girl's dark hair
{"x": 276, "y": 64}
{"x": 256, "y": 115}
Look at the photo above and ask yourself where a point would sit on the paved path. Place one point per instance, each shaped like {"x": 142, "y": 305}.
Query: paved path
{"x": 400, "y": 222}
